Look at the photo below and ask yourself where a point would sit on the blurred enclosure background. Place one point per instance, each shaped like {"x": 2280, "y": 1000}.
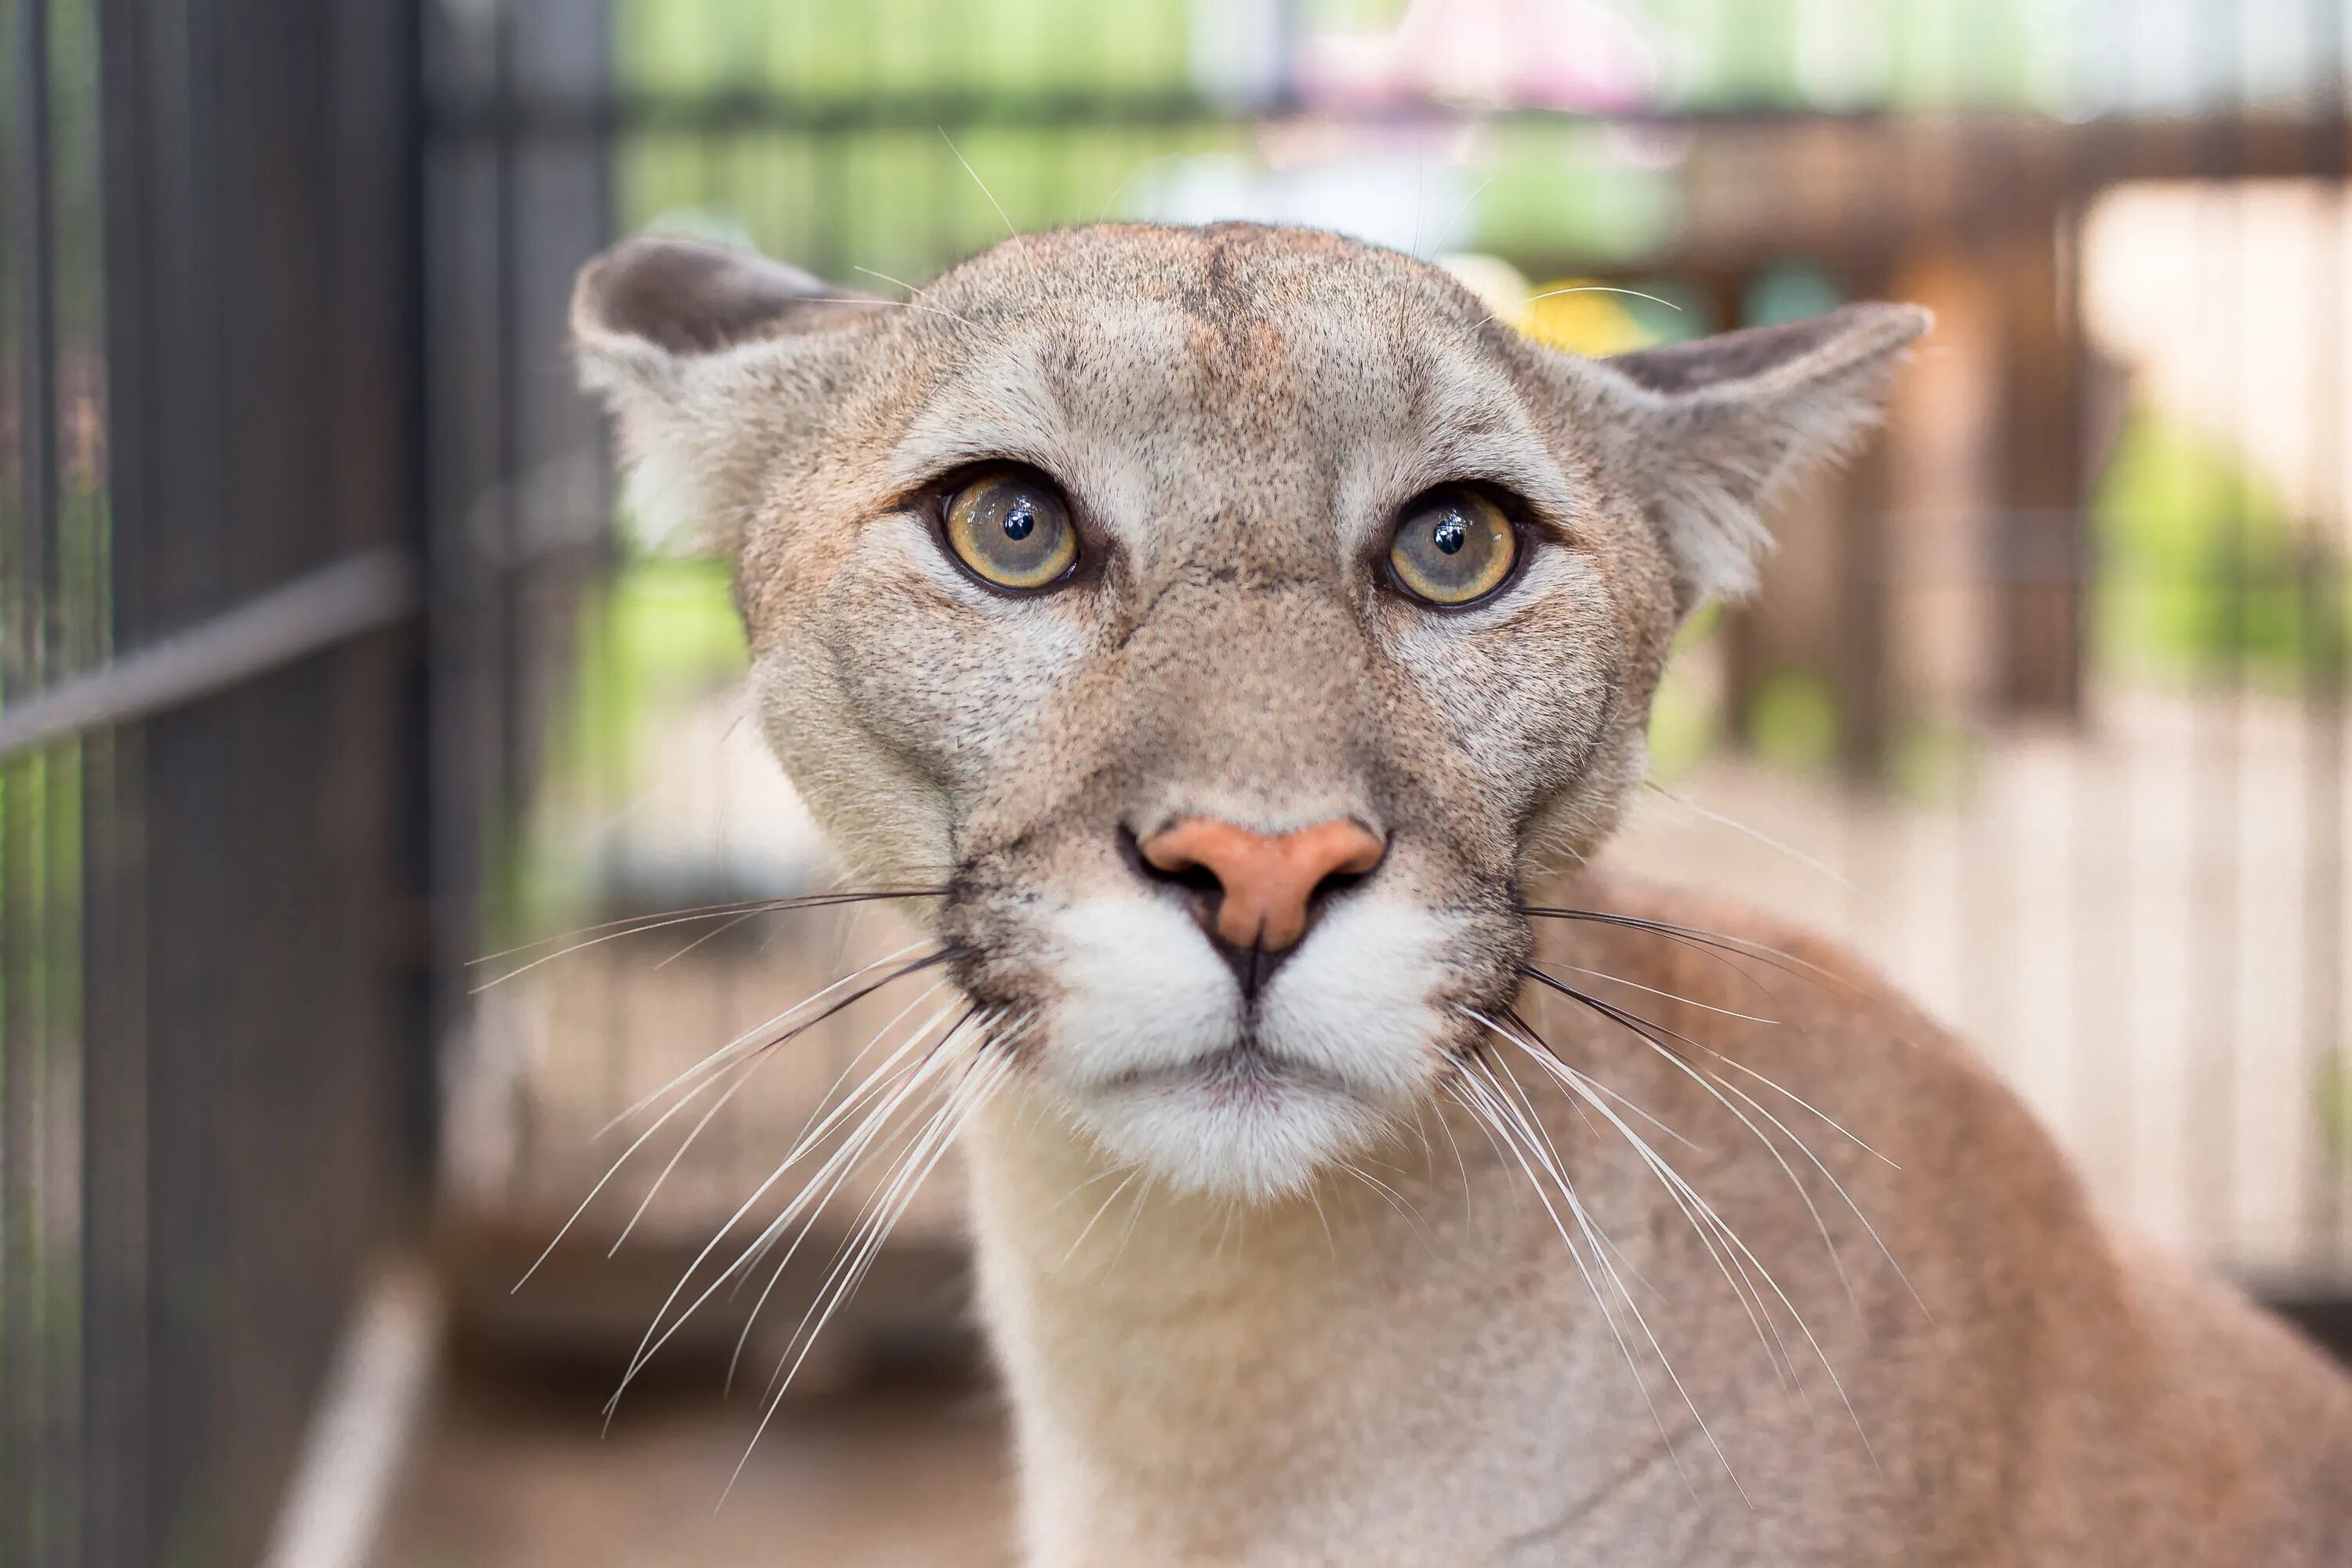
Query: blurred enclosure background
{"x": 329, "y": 666}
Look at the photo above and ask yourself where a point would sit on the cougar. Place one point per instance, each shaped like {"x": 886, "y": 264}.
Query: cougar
{"x": 1236, "y": 644}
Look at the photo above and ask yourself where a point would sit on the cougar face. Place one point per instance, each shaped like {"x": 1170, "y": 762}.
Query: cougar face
{"x": 1224, "y": 621}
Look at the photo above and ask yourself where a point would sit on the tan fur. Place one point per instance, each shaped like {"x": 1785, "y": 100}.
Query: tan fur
{"x": 1264, "y": 1290}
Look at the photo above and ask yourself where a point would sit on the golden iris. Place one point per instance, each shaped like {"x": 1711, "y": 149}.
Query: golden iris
{"x": 1011, "y": 528}
{"x": 1453, "y": 547}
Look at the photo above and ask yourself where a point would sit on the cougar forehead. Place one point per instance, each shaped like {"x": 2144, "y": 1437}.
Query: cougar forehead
{"x": 1210, "y": 391}
{"x": 1235, "y": 420}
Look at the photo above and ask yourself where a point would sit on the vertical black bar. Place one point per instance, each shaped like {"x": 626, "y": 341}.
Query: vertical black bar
{"x": 35, "y": 241}
{"x": 116, "y": 1314}
{"x": 29, "y": 1377}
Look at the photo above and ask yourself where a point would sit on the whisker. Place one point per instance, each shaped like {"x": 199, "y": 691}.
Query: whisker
{"x": 750, "y": 1039}
{"x": 1576, "y": 1083}
{"x": 1833, "y": 1122}
{"x": 1490, "y": 1108}
{"x": 825, "y": 1100}
{"x": 613, "y": 1170}
{"x": 885, "y": 305}
{"x": 1118, "y": 190}
{"x": 1331, "y": 1242}
{"x": 1087, "y": 1229}
{"x": 662, "y": 922}
{"x": 1513, "y": 1016}
{"x": 715, "y": 1075}
{"x": 1464, "y": 204}
{"x": 712, "y": 934}
{"x": 1744, "y": 947}
{"x": 1836, "y": 1186}
{"x": 1585, "y": 288}
{"x": 1008, "y": 227}
{"x": 691, "y": 912}
{"x": 1142, "y": 1196}
{"x": 989, "y": 1071}
{"x": 1460, "y": 1164}
{"x": 911, "y": 1082}
{"x": 1396, "y": 1201}
{"x": 1667, "y": 995}
{"x": 867, "y": 1137}
{"x": 858, "y": 1149}
{"x": 877, "y": 1215}
{"x": 1758, "y": 834}
{"x": 721, "y": 1104}
{"x": 918, "y": 293}
{"x": 1700, "y": 1216}
{"x": 1644, "y": 1028}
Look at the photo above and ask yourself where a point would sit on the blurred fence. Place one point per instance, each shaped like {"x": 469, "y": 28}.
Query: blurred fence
{"x": 213, "y": 1074}
{"x": 2042, "y": 705}
{"x": 325, "y": 669}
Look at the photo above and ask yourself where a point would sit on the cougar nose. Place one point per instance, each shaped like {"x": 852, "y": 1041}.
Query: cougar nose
{"x": 1266, "y": 884}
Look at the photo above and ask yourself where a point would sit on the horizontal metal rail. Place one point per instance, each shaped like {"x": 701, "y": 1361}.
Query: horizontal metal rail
{"x": 266, "y": 632}
{"x": 464, "y": 113}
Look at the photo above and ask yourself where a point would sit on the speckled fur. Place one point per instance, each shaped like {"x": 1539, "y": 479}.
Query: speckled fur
{"x": 1329, "y": 1323}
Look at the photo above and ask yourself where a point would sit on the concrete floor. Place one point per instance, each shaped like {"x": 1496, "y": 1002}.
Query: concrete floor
{"x": 511, "y": 1472}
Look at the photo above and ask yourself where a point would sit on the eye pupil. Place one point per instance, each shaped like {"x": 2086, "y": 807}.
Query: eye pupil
{"x": 1011, "y": 529}
{"x": 1451, "y": 546}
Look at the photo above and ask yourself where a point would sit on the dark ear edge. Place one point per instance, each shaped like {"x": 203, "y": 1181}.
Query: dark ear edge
{"x": 684, "y": 298}
{"x": 1801, "y": 350}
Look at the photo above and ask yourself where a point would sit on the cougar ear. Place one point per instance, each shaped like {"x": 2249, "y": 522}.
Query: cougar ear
{"x": 1715, "y": 426}
{"x": 694, "y": 349}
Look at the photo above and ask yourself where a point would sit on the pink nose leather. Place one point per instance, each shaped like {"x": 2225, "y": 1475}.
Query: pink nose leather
{"x": 1268, "y": 879}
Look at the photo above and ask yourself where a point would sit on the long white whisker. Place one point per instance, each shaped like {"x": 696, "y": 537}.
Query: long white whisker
{"x": 612, "y": 1170}
{"x": 1009, "y": 226}
{"x": 879, "y": 1216}
{"x": 1837, "y": 1185}
{"x": 736, "y": 1088}
{"x": 989, "y": 1071}
{"x": 857, "y": 1150}
{"x": 1627, "y": 1021}
{"x": 753, "y": 1036}
{"x": 1701, "y": 1218}
{"x": 651, "y": 921}
{"x": 643, "y": 924}
{"x": 1758, "y": 834}
{"x": 1500, "y": 1115}
{"x": 1724, "y": 1262}
{"x": 1834, "y": 1123}
{"x": 1396, "y": 1201}
{"x": 1575, "y": 1082}
{"x": 920, "y": 294}
{"x": 1087, "y": 1229}
{"x": 1709, "y": 1081}
{"x": 828, "y": 1101}
{"x": 912, "y": 1081}
{"x": 1586, "y": 289}
{"x": 1668, "y": 995}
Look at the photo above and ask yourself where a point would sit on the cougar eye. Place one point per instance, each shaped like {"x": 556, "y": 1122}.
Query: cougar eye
{"x": 1010, "y": 528}
{"x": 1453, "y": 547}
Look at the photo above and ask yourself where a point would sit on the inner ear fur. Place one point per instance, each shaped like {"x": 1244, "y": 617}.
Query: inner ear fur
{"x": 706, "y": 357}
{"x": 1721, "y": 424}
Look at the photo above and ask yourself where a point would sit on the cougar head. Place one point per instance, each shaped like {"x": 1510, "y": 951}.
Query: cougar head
{"x": 1229, "y": 621}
